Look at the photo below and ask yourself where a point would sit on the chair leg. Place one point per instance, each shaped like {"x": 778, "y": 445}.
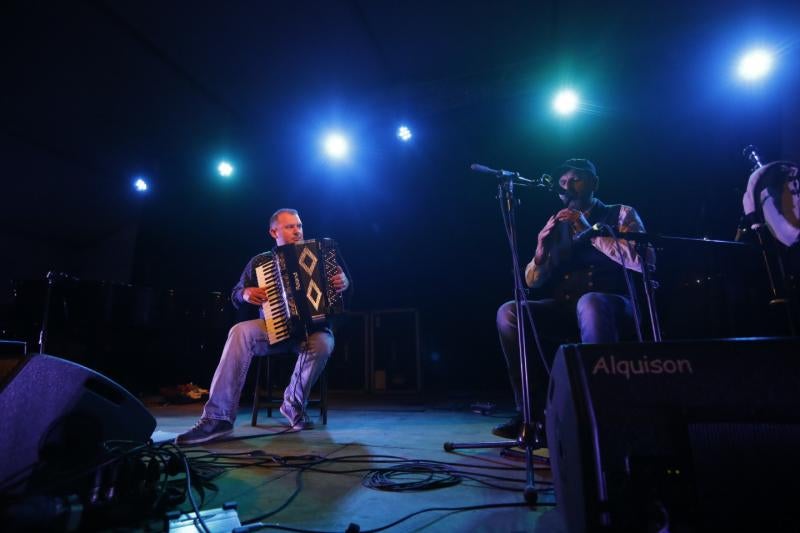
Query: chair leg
{"x": 323, "y": 396}
{"x": 269, "y": 387}
{"x": 256, "y": 394}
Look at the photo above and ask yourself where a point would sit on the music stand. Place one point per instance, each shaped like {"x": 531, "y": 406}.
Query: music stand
{"x": 643, "y": 243}
{"x": 529, "y": 438}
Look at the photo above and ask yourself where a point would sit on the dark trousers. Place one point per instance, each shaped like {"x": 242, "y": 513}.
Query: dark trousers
{"x": 596, "y": 318}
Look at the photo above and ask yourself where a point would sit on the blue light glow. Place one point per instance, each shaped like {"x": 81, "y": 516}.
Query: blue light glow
{"x": 225, "y": 169}
{"x": 140, "y": 184}
{"x": 336, "y": 145}
{"x": 404, "y": 133}
{"x": 566, "y": 102}
{"x": 755, "y": 64}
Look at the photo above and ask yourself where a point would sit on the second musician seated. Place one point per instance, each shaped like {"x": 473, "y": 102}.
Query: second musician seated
{"x": 584, "y": 283}
{"x": 249, "y": 338}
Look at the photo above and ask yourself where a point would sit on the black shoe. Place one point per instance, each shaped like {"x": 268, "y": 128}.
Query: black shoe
{"x": 206, "y": 429}
{"x": 509, "y": 430}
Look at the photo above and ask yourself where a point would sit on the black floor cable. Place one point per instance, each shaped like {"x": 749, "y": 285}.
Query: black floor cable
{"x": 158, "y": 466}
{"x": 411, "y": 477}
{"x": 401, "y": 475}
{"x": 356, "y": 529}
{"x": 190, "y": 494}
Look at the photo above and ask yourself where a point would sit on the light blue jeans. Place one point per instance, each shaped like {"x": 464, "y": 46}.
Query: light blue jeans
{"x": 248, "y": 339}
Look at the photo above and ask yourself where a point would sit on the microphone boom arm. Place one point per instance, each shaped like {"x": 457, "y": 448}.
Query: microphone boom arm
{"x": 545, "y": 181}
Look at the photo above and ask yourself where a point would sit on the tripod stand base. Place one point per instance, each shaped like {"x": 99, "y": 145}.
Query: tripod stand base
{"x": 450, "y": 446}
{"x": 530, "y": 495}
{"x": 540, "y": 455}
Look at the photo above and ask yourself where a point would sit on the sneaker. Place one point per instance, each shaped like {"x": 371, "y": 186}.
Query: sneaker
{"x": 510, "y": 429}
{"x": 298, "y": 420}
{"x": 205, "y": 430}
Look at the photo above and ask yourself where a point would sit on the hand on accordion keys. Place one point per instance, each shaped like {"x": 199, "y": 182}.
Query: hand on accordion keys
{"x": 340, "y": 281}
{"x": 254, "y": 295}
{"x": 258, "y": 295}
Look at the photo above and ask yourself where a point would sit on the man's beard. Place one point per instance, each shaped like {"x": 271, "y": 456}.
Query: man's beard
{"x": 570, "y": 200}
{"x": 574, "y": 201}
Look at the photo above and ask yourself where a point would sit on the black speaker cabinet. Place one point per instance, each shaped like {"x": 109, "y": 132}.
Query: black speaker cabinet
{"x": 676, "y": 436}
{"x": 56, "y": 410}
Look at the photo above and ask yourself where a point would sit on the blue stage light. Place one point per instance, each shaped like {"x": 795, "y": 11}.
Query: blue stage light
{"x": 140, "y": 184}
{"x": 755, "y": 64}
{"x": 336, "y": 145}
{"x": 225, "y": 169}
{"x": 566, "y": 102}
{"x": 404, "y": 133}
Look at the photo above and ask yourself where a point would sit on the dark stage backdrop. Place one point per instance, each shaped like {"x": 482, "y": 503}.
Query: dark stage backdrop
{"x": 421, "y": 232}
{"x": 416, "y": 227}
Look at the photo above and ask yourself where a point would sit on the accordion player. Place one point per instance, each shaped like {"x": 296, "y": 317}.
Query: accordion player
{"x": 300, "y": 293}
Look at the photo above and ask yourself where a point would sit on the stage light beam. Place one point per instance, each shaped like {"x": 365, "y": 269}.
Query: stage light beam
{"x": 225, "y": 169}
{"x": 404, "y": 133}
{"x": 566, "y": 102}
{"x": 755, "y": 64}
{"x": 336, "y": 146}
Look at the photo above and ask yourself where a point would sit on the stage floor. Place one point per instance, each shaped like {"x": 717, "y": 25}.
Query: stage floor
{"x": 374, "y": 432}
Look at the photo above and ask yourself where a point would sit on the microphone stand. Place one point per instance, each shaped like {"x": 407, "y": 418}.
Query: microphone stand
{"x": 650, "y": 286}
{"x": 52, "y": 277}
{"x": 46, "y": 312}
{"x": 529, "y": 438}
{"x": 643, "y": 241}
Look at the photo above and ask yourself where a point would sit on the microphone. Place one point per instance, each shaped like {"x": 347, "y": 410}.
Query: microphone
{"x": 476, "y": 167}
{"x": 546, "y": 181}
{"x": 592, "y": 231}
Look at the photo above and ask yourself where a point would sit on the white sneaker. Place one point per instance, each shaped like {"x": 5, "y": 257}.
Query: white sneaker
{"x": 298, "y": 420}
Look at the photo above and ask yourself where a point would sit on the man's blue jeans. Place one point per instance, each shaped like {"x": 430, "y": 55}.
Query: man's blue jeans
{"x": 248, "y": 339}
{"x": 600, "y": 318}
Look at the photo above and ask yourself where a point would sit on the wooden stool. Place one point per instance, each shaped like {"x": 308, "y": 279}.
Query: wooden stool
{"x": 264, "y": 396}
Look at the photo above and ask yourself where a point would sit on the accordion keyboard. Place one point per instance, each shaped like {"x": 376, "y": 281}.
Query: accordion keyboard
{"x": 276, "y": 310}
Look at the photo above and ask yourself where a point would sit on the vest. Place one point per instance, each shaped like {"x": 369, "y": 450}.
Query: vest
{"x": 578, "y": 268}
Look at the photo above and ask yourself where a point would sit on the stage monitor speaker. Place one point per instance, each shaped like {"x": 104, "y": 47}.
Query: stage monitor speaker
{"x": 57, "y": 411}
{"x": 676, "y": 436}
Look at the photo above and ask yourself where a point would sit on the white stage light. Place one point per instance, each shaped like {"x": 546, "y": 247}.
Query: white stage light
{"x": 566, "y": 102}
{"x": 404, "y": 133}
{"x": 225, "y": 169}
{"x": 336, "y": 145}
{"x": 755, "y": 64}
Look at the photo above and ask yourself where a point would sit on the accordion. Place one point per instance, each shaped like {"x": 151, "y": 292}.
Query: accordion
{"x": 300, "y": 294}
